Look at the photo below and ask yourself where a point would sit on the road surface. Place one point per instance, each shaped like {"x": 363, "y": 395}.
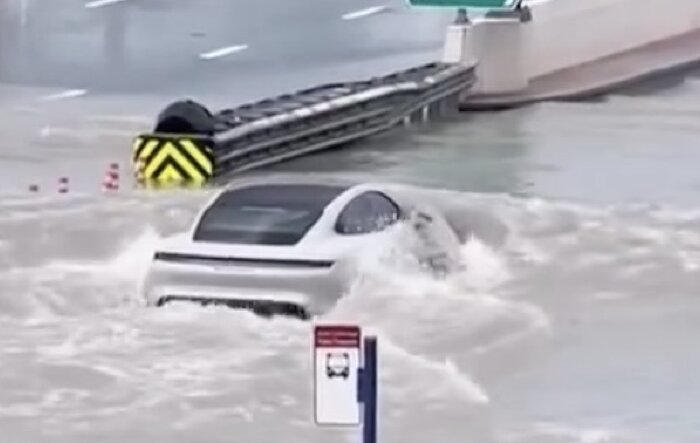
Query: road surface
{"x": 575, "y": 322}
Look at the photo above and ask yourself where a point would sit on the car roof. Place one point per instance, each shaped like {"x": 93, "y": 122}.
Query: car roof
{"x": 294, "y": 179}
{"x": 287, "y": 194}
{"x": 330, "y": 192}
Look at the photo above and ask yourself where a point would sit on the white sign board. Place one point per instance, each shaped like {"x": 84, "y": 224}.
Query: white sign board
{"x": 336, "y": 363}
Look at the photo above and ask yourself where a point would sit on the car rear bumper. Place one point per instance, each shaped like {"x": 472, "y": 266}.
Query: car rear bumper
{"x": 265, "y": 307}
{"x": 295, "y": 291}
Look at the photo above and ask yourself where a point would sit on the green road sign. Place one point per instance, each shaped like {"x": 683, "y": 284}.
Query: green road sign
{"x": 485, "y": 4}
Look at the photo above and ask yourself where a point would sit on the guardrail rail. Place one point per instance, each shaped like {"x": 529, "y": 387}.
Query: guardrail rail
{"x": 190, "y": 145}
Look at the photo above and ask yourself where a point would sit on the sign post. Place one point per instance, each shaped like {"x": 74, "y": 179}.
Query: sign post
{"x": 345, "y": 390}
{"x": 367, "y": 392}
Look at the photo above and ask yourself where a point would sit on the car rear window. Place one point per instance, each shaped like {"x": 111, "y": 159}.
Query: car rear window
{"x": 279, "y": 214}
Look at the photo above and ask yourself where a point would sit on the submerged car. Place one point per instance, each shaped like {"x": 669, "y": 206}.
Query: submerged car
{"x": 290, "y": 246}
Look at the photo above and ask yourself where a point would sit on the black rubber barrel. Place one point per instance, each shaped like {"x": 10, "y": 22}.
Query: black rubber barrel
{"x": 185, "y": 117}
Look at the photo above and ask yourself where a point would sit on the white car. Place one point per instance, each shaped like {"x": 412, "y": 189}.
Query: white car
{"x": 288, "y": 246}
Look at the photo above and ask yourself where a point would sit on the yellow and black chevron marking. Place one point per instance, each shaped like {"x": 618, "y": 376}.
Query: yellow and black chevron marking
{"x": 172, "y": 160}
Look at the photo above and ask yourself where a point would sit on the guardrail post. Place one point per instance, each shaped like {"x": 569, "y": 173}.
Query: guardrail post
{"x": 368, "y": 386}
{"x": 416, "y": 116}
{"x": 425, "y": 113}
{"x": 444, "y": 107}
{"x": 435, "y": 110}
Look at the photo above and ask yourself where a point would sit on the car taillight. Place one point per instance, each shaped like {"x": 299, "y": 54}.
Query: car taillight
{"x": 240, "y": 261}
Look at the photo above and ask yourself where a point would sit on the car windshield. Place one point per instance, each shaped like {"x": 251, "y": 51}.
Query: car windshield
{"x": 265, "y": 214}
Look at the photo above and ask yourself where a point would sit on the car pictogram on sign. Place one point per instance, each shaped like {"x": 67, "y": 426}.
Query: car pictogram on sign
{"x": 338, "y": 365}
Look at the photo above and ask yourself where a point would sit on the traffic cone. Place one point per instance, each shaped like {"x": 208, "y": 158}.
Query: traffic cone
{"x": 111, "y": 180}
{"x": 63, "y": 185}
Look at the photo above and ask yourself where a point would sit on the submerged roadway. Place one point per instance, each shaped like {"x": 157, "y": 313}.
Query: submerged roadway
{"x": 575, "y": 323}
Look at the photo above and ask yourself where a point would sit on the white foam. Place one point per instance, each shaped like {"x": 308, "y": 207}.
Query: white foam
{"x": 418, "y": 318}
{"x": 63, "y": 287}
{"x": 447, "y": 371}
{"x": 437, "y": 336}
{"x": 135, "y": 257}
{"x": 392, "y": 280}
{"x": 128, "y": 263}
{"x": 579, "y": 435}
{"x": 539, "y": 322}
{"x": 485, "y": 269}
{"x": 690, "y": 261}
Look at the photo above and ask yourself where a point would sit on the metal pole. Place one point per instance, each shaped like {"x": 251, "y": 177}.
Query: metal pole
{"x": 23, "y": 19}
{"x": 462, "y": 17}
{"x": 115, "y": 28}
{"x": 369, "y": 390}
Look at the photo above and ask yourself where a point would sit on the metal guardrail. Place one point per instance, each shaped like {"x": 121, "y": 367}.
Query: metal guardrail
{"x": 288, "y": 126}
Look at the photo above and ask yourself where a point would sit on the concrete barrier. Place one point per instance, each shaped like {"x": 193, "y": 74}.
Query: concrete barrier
{"x": 566, "y": 33}
{"x": 192, "y": 146}
{"x": 522, "y": 61}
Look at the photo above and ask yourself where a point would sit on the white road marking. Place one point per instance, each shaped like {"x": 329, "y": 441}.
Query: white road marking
{"x": 85, "y": 134}
{"x": 27, "y": 109}
{"x": 100, "y": 3}
{"x": 365, "y": 12}
{"x": 70, "y": 93}
{"x": 222, "y": 52}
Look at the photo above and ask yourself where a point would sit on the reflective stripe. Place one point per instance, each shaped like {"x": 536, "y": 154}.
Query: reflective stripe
{"x": 165, "y": 159}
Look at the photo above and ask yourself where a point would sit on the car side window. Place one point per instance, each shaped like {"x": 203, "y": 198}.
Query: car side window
{"x": 366, "y": 213}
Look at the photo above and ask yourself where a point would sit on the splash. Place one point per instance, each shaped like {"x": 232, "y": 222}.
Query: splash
{"x": 420, "y": 317}
{"x": 132, "y": 262}
{"x": 444, "y": 342}
{"x": 553, "y": 432}
{"x": 69, "y": 287}
{"x": 390, "y": 280}
{"x": 452, "y": 378}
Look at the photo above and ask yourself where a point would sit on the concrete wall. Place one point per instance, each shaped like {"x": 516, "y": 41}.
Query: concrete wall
{"x": 564, "y": 33}
{"x": 506, "y": 36}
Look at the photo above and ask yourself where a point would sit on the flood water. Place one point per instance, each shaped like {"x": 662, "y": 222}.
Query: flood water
{"x": 574, "y": 322}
